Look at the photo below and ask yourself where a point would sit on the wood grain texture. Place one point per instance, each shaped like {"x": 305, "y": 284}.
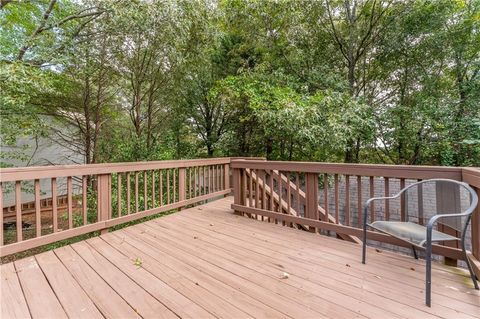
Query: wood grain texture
{"x": 40, "y": 297}
{"x": 206, "y": 262}
{"x": 13, "y": 304}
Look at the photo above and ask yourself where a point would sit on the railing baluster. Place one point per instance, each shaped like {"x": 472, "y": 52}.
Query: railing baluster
{"x": 325, "y": 195}
{"x": 145, "y": 190}
{"x": 18, "y": 209}
{"x": 386, "y": 182}
{"x": 372, "y": 194}
{"x": 204, "y": 181}
{"x": 289, "y": 195}
{"x": 211, "y": 173}
{"x": 250, "y": 189}
{"x": 214, "y": 179}
{"x": 136, "y": 192}
{"x": 280, "y": 196}
{"x": 264, "y": 190}
{"x": 69, "y": 202}
{"x": 54, "y": 205}
{"x": 347, "y": 200}
{"x": 195, "y": 185}
{"x": 160, "y": 183}
{"x": 420, "y": 203}
{"x": 272, "y": 205}
{"x": 257, "y": 189}
{"x": 174, "y": 185}
{"x": 84, "y": 200}
{"x": 336, "y": 199}
{"x": 402, "y": 200}
{"x": 38, "y": 211}
{"x": 168, "y": 186}
{"x": 297, "y": 184}
{"x": 119, "y": 194}
{"x": 153, "y": 189}
{"x": 128, "y": 193}
{"x": 359, "y": 201}
{"x": 190, "y": 182}
{"x": 280, "y": 193}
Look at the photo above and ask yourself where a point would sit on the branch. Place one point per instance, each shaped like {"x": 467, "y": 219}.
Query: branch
{"x": 37, "y": 31}
{"x": 72, "y": 17}
{"x": 335, "y": 35}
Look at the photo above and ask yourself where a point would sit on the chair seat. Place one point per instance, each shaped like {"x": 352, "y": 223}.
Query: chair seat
{"x": 413, "y": 233}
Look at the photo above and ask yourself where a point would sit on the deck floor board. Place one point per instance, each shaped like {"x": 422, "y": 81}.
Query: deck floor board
{"x": 319, "y": 283}
{"x": 206, "y": 262}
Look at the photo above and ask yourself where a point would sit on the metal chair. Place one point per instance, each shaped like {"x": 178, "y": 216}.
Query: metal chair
{"x": 452, "y": 215}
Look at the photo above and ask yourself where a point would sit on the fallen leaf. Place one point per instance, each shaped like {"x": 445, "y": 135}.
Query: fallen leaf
{"x": 137, "y": 262}
{"x": 378, "y": 250}
{"x": 347, "y": 265}
{"x": 411, "y": 268}
{"x": 285, "y": 276}
{"x": 211, "y": 224}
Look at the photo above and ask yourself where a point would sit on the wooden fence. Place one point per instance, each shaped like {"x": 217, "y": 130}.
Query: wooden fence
{"x": 110, "y": 194}
{"x": 289, "y": 193}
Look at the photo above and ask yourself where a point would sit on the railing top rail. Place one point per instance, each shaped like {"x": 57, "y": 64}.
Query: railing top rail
{"x": 394, "y": 171}
{"x": 38, "y": 172}
{"x": 471, "y": 175}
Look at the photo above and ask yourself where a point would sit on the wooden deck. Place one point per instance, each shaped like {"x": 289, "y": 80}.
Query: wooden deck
{"x": 206, "y": 262}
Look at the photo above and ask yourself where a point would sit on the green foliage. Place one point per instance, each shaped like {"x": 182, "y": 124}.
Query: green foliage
{"x": 371, "y": 81}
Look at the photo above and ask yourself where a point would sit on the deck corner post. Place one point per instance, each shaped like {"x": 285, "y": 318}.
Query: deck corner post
{"x": 238, "y": 188}
{"x": 181, "y": 185}
{"x": 104, "y": 199}
{"x": 475, "y": 228}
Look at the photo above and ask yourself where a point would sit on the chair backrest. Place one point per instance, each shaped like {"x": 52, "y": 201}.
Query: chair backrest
{"x": 430, "y": 197}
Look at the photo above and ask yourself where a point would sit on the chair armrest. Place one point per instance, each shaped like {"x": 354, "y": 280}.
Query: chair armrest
{"x": 370, "y": 200}
{"x": 435, "y": 218}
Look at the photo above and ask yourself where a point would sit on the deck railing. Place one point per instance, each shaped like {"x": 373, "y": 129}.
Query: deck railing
{"x": 105, "y": 195}
{"x": 325, "y": 197}
{"x": 319, "y": 197}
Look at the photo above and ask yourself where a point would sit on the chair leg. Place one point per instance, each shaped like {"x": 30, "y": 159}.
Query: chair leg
{"x": 472, "y": 274}
{"x": 428, "y": 270}
{"x": 364, "y": 248}
{"x": 428, "y": 279}
{"x": 414, "y": 252}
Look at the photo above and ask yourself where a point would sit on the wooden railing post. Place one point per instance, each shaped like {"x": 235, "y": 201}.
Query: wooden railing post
{"x": 476, "y": 229}
{"x": 181, "y": 185}
{"x": 104, "y": 199}
{"x": 311, "y": 197}
{"x": 226, "y": 177}
{"x": 472, "y": 177}
{"x": 238, "y": 187}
